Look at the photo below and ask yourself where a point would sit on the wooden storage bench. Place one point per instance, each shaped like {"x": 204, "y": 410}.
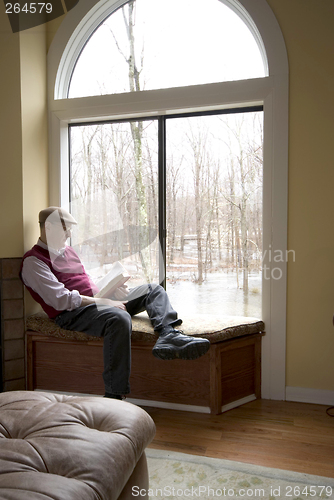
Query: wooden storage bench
{"x": 227, "y": 376}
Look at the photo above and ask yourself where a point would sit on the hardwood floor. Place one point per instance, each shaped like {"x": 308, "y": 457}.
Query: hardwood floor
{"x": 284, "y": 435}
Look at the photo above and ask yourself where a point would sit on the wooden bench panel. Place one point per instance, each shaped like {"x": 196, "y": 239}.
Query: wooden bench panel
{"x": 230, "y": 371}
{"x": 66, "y": 366}
{"x": 178, "y": 381}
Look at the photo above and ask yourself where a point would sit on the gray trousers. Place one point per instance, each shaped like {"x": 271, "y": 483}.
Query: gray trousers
{"x": 115, "y": 326}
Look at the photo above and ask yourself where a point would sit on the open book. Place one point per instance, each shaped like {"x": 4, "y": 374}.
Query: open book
{"x": 116, "y": 277}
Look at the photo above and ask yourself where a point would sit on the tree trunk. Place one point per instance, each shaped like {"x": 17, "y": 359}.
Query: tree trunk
{"x": 137, "y": 136}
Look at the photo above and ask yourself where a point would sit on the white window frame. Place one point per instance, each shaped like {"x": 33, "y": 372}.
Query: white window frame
{"x": 270, "y": 91}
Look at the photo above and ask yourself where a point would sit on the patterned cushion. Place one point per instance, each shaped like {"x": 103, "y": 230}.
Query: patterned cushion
{"x": 213, "y": 327}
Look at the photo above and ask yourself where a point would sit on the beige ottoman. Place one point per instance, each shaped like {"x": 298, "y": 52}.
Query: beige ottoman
{"x": 71, "y": 448}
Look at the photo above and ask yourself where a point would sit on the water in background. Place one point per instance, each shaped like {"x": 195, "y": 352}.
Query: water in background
{"x": 217, "y": 295}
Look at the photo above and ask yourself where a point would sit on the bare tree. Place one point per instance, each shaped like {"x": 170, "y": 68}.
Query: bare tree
{"x": 243, "y": 181}
{"x": 198, "y": 147}
{"x": 173, "y": 187}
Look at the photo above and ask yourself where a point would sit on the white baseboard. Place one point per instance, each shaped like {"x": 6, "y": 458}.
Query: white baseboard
{"x": 239, "y": 402}
{"x": 193, "y": 408}
{"x": 168, "y": 406}
{"x": 162, "y": 404}
{"x": 305, "y": 395}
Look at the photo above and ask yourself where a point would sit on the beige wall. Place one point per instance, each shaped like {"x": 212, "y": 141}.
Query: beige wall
{"x": 23, "y": 138}
{"x": 34, "y": 130}
{"x": 23, "y": 135}
{"x": 51, "y": 29}
{"x": 307, "y": 27}
{"x": 34, "y": 137}
{"x": 11, "y": 203}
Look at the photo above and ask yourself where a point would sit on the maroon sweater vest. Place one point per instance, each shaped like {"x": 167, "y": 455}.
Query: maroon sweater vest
{"x": 68, "y": 269}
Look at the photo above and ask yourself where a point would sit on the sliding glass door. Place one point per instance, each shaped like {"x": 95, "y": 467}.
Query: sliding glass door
{"x": 214, "y": 213}
{"x": 114, "y": 197}
{"x": 178, "y": 200}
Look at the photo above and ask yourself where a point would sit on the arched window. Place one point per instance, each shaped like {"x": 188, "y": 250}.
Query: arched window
{"x": 147, "y": 45}
{"x": 172, "y": 82}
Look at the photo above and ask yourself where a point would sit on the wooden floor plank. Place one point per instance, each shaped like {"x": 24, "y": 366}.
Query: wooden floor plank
{"x": 284, "y": 435}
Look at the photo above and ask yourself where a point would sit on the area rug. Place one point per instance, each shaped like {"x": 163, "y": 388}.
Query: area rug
{"x": 182, "y": 476}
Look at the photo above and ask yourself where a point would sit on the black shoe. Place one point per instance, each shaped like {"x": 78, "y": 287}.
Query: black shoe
{"x": 113, "y": 396}
{"x": 173, "y": 344}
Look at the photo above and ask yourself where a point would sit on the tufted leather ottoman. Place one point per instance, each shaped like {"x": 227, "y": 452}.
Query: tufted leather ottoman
{"x": 71, "y": 448}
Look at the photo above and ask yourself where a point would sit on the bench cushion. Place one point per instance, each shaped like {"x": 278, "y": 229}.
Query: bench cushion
{"x": 216, "y": 328}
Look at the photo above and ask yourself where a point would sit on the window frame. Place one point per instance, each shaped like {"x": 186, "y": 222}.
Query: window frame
{"x": 270, "y": 91}
{"x": 162, "y": 167}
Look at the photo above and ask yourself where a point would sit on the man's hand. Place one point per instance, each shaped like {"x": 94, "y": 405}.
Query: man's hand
{"x": 112, "y": 303}
{"x": 86, "y": 301}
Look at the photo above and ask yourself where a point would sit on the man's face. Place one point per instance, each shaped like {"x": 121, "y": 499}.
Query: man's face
{"x": 57, "y": 232}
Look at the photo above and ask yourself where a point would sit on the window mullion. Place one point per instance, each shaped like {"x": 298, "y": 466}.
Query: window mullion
{"x": 162, "y": 198}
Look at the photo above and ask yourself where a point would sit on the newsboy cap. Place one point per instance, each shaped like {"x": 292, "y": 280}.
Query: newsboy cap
{"x": 54, "y": 213}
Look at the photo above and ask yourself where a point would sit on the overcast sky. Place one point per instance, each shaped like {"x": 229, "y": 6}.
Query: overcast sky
{"x": 184, "y": 42}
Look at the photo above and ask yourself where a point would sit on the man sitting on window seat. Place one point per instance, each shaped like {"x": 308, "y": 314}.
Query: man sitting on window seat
{"x": 56, "y": 279}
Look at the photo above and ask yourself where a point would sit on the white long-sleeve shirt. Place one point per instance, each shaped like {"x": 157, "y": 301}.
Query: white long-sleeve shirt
{"x": 38, "y": 276}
